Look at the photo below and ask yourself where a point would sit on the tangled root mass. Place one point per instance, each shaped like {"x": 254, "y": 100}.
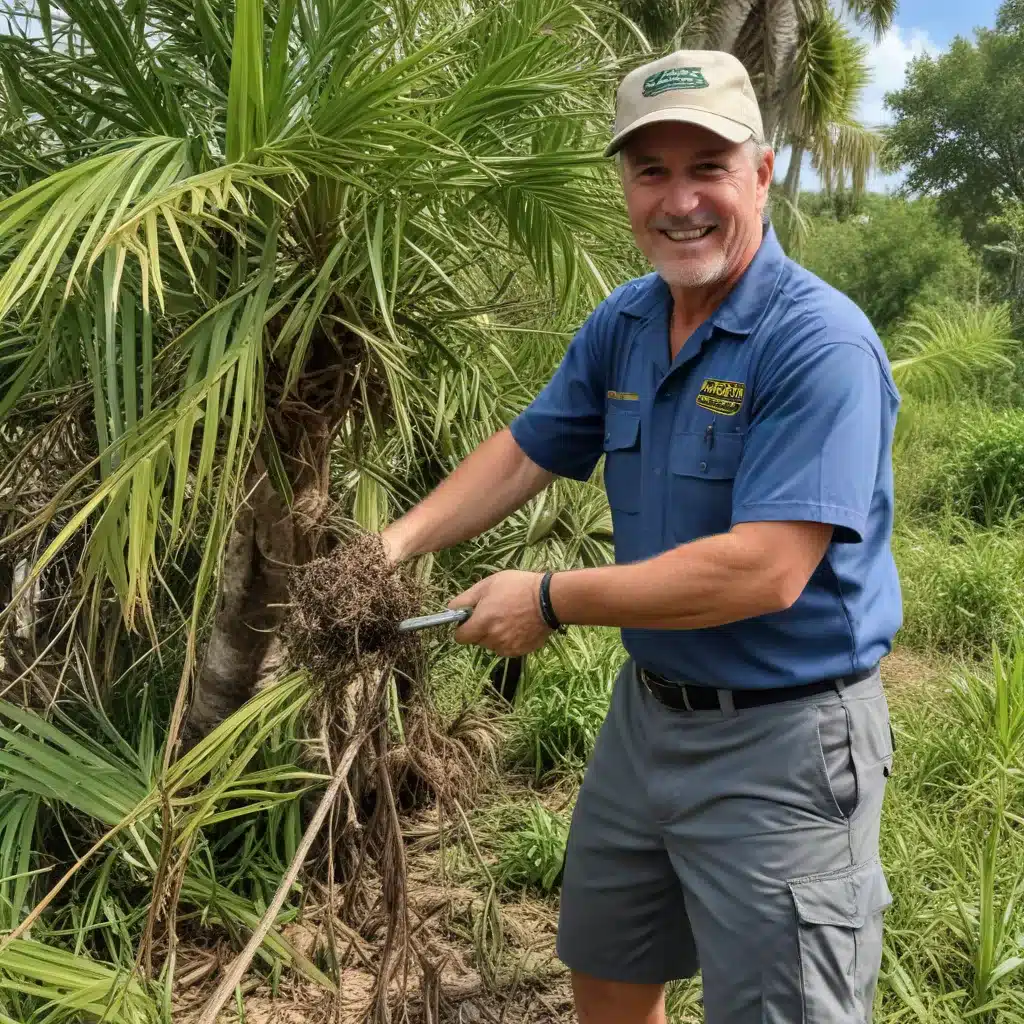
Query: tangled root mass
{"x": 346, "y": 607}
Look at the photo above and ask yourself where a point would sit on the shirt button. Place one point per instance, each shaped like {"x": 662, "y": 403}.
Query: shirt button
{"x": 703, "y": 467}
{"x": 657, "y": 472}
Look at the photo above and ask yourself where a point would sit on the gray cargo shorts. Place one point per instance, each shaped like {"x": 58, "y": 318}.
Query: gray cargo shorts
{"x": 743, "y": 843}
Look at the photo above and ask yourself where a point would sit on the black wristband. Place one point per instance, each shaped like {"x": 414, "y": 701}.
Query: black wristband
{"x": 546, "y": 610}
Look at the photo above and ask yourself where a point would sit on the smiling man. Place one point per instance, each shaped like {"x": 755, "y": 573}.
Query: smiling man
{"x": 729, "y": 816}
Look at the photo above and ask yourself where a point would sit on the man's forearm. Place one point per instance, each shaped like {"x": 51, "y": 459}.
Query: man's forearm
{"x": 709, "y": 582}
{"x": 490, "y": 484}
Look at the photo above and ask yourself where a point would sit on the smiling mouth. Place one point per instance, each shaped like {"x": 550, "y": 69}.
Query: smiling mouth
{"x": 689, "y": 236}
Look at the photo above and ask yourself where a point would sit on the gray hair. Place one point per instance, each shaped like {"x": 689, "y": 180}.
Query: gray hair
{"x": 757, "y": 148}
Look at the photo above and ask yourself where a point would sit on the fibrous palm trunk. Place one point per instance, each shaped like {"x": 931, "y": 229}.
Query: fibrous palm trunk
{"x": 269, "y": 537}
{"x": 791, "y": 186}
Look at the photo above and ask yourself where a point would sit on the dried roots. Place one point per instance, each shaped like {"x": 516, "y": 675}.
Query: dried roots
{"x": 345, "y": 608}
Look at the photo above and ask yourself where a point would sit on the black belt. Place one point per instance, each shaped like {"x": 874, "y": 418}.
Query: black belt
{"x": 687, "y": 697}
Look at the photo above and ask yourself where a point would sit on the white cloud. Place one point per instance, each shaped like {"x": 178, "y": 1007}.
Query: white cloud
{"x": 888, "y": 60}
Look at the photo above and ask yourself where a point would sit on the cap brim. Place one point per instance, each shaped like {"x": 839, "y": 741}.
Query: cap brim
{"x": 729, "y": 129}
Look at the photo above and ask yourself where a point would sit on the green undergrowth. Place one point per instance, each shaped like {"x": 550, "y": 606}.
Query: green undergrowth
{"x": 961, "y": 585}
{"x": 562, "y": 699}
{"x": 965, "y": 458}
{"x": 959, "y": 532}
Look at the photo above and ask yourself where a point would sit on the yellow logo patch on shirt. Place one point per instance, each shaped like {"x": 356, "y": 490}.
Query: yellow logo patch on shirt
{"x": 624, "y": 396}
{"x": 722, "y": 396}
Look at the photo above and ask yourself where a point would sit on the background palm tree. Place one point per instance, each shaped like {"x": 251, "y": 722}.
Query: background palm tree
{"x": 767, "y": 35}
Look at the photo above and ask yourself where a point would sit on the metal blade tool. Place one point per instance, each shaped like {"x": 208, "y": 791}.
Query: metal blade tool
{"x": 452, "y": 615}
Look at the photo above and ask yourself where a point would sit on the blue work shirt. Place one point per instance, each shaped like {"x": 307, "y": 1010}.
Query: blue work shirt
{"x": 780, "y": 406}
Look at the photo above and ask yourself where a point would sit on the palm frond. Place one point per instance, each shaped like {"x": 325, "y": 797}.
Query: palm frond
{"x": 878, "y": 15}
{"x": 64, "y": 981}
{"x": 940, "y": 348}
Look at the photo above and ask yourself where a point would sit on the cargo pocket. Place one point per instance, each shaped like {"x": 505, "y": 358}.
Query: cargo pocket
{"x": 839, "y": 920}
{"x": 622, "y": 460}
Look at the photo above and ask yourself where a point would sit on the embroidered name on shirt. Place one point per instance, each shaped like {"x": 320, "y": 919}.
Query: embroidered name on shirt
{"x": 624, "y": 396}
{"x": 722, "y": 396}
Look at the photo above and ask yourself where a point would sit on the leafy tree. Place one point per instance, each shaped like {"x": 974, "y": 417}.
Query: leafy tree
{"x": 957, "y": 126}
{"x": 893, "y": 253}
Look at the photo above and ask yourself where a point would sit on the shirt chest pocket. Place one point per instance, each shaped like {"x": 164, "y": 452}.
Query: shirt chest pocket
{"x": 702, "y": 471}
{"x": 622, "y": 460}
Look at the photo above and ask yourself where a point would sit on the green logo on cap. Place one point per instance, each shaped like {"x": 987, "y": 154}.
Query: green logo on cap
{"x": 674, "y": 78}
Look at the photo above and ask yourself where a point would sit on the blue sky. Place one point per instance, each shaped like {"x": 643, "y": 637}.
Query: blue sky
{"x": 921, "y": 26}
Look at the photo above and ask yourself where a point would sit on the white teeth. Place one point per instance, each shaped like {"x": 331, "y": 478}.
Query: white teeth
{"x": 687, "y": 236}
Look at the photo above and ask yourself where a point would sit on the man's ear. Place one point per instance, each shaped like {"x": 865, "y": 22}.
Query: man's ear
{"x": 765, "y": 173}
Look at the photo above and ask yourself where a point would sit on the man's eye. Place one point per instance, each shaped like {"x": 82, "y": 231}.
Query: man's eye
{"x": 705, "y": 167}
{"x": 650, "y": 172}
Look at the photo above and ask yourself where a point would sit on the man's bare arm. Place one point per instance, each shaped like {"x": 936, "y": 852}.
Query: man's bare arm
{"x": 754, "y": 569}
{"x": 490, "y": 484}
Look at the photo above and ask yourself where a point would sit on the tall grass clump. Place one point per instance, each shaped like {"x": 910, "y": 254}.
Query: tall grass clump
{"x": 961, "y": 586}
{"x": 532, "y": 851}
{"x": 981, "y": 476}
{"x": 927, "y": 443}
{"x": 563, "y": 699}
{"x": 952, "y": 849}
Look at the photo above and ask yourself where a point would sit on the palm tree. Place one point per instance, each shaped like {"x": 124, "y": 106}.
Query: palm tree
{"x": 263, "y": 266}
{"x": 832, "y": 71}
{"x": 767, "y": 35}
{"x": 237, "y": 238}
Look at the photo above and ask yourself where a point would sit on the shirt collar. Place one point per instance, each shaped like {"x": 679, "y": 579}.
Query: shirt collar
{"x": 740, "y": 310}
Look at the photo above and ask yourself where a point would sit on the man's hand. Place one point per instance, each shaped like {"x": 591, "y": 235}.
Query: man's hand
{"x": 506, "y": 615}
{"x": 393, "y": 550}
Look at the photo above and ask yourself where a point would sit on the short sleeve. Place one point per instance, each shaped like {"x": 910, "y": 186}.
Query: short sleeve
{"x": 562, "y": 429}
{"x": 812, "y": 451}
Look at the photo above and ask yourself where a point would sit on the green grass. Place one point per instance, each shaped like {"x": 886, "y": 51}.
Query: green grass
{"x": 952, "y": 849}
{"x": 562, "y": 701}
{"x": 961, "y": 586}
{"x": 975, "y": 462}
{"x": 531, "y": 852}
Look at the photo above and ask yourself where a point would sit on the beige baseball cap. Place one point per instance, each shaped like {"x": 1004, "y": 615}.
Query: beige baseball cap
{"x": 709, "y": 88}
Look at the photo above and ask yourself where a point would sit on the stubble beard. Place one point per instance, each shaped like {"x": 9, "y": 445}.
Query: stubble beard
{"x": 693, "y": 274}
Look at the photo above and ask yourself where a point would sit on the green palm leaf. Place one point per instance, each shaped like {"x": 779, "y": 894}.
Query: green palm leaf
{"x": 938, "y": 349}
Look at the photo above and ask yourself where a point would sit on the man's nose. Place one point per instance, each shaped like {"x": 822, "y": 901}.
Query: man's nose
{"x": 681, "y": 199}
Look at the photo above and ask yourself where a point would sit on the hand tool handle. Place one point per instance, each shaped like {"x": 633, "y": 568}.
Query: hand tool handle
{"x": 458, "y": 615}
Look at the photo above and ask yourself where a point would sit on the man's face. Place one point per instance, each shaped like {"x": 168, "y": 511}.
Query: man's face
{"x": 694, "y": 201}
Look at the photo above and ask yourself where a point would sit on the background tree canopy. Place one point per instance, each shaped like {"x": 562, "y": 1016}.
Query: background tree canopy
{"x": 889, "y": 255}
{"x": 957, "y": 128}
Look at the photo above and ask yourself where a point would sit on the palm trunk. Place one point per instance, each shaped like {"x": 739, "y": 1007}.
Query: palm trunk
{"x": 253, "y": 587}
{"x": 791, "y": 186}
{"x": 268, "y": 538}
